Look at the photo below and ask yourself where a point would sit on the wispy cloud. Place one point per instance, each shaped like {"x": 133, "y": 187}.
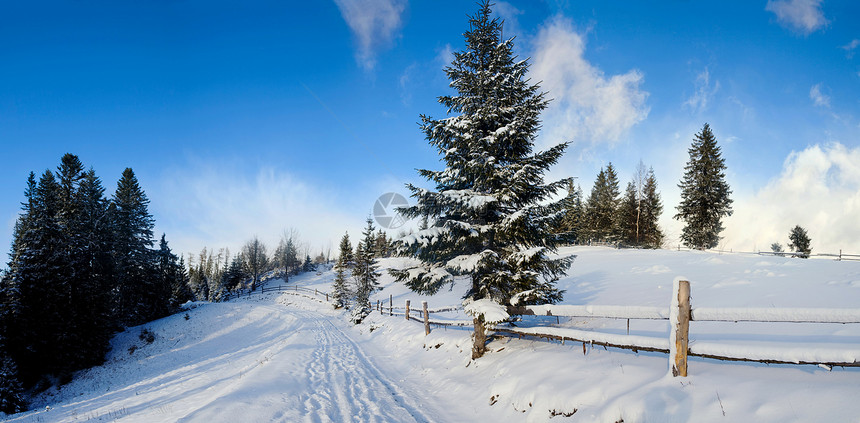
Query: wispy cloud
{"x": 704, "y": 93}
{"x": 850, "y": 47}
{"x": 818, "y": 98}
{"x": 221, "y": 205}
{"x": 374, "y": 23}
{"x": 804, "y": 16}
{"x": 818, "y": 188}
{"x": 588, "y": 105}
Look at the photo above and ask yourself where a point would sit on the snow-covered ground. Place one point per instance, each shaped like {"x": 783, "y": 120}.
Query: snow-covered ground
{"x": 282, "y": 357}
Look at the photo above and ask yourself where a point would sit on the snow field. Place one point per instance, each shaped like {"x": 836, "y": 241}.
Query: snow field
{"x": 282, "y": 357}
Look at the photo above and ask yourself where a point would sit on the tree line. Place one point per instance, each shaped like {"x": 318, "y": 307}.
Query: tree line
{"x": 82, "y": 266}
{"x": 607, "y": 216}
{"x": 356, "y": 271}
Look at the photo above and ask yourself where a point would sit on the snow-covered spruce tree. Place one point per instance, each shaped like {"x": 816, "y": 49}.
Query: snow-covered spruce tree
{"x": 602, "y": 206}
{"x": 340, "y": 290}
{"x": 365, "y": 273}
{"x": 704, "y": 193}
{"x": 799, "y": 241}
{"x": 488, "y": 214}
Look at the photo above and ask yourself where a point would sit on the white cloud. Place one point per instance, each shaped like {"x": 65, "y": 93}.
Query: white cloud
{"x": 445, "y": 55}
{"x": 818, "y": 189}
{"x": 850, "y": 47}
{"x": 817, "y": 97}
{"x": 587, "y": 105}
{"x": 374, "y": 24}
{"x": 804, "y": 16}
{"x": 405, "y": 83}
{"x": 698, "y": 102}
{"x": 214, "y": 205}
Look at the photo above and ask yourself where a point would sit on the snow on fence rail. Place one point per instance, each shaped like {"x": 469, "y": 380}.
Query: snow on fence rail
{"x": 679, "y": 314}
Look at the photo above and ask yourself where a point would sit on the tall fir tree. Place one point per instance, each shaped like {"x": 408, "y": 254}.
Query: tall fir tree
{"x": 136, "y": 291}
{"x": 38, "y": 283}
{"x": 704, "y": 193}
{"x": 602, "y": 206}
{"x": 489, "y": 211}
{"x": 365, "y": 273}
{"x": 340, "y": 289}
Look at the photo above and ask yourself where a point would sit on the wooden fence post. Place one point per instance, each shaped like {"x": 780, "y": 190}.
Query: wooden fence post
{"x": 390, "y": 305}
{"x": 426, "y": 318}
{"x": 680, "y": 327}
{"x": 407, "y": 309}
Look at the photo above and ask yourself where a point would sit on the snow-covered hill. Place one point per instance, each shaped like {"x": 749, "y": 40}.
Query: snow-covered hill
{"x": 282, "y": 357}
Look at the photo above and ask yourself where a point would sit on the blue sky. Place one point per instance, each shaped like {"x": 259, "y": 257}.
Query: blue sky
{"x": 244, "y": 118}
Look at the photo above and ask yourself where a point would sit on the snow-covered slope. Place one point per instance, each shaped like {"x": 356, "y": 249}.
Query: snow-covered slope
{"x": 280, "y": 357}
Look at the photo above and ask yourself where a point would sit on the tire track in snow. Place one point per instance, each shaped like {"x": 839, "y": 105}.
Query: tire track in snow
{"x": 344, "y": 385}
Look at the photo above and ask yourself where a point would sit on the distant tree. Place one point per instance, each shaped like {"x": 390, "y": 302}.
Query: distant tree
{"x": 776, "y": 247}
{"x": 651, "y": 207}
{"x": 799, "y": 241}
{"x": 704, "y": 193}
{"x": 256, "y": 260}
{"x": 627, "y": 217}
{"x": 382, "y": 246}
{"x": 308, "y": 265}
{"x": 234, "y": 277}
{"x": 180, "y": 292}
{"x": 340, "y": 290}
{"x": 286, "y": 255}
{"x": 573, "y": 220}
{"x": 490, "y": 215}
{"x": 602, "y": 206}
{"x": 365, "y": 273}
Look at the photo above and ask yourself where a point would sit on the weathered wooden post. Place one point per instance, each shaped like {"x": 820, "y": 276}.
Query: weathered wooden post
{"x": 377, "y": 306}
{"x": 680, "y": 334}
{"x": 407, "y": 309}
{"x": 390, "y": 305}
{"x": 326, "y": 296}
{"x": 426, "y": 318}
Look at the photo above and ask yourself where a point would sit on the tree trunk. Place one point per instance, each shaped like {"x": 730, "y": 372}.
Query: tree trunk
{"x": 479, "y": 347}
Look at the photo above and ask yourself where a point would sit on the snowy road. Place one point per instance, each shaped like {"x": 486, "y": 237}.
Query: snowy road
{"x": 251, "y": 360}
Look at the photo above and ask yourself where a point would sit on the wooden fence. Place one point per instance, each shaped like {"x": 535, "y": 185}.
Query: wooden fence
{"x": 280, "y": 288}
{"x": 679, "y": 314}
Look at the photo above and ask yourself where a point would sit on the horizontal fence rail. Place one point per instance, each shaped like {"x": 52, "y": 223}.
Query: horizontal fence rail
{"x": 779, "y": 354}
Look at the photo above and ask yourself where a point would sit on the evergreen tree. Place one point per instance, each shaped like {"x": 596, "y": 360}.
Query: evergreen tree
{"x": 170, "y": 279}
{"x": 488, "y": 211}
{"x": 776, "y": 247}
{"x": 651, "y": 207}
{"x": 602, "y": 206}
{"x": 38, "y": 321}
{"x": 572, "y": 224}
{"x": 135, "y": 275}
{"x": 308, "y": 265}
{"x": 365, "y": 273}
{"x": 11, "y": 399}
{"x": 627, "y": 217}
{"x": 799, "y": 241}
{"x": 340, "y": 291}
{"x": 180, "y": 292}
{"x": 255, "y": 260}
{"x": 233, "y": 278}
{"x": 704, "y": 193}
{"x": 91, "y": 242}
